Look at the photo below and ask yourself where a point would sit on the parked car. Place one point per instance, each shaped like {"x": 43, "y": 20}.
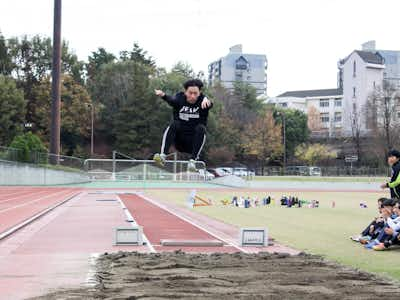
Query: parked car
{"x": 227, "y": 170}
{"x": 242, "y": 172}
{"x": 224, "y": 171}
{"x": 217, "y": 172}
{"x": 208, "y": 175}
{"x": 303, "y": 171}
{"x": 315, "y": 171}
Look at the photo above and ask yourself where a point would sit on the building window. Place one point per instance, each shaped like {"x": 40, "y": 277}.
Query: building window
{"x": 324, "y": 117}
{"x": 338, "y": 117}
{"x": 324, "y": 103}
{"x": 354, "y": 107}
{"x": 241, "y": 63}
{"x": 238, "y": 76}
{"x": 398, "y": 115}
{"x": 354, "y": 92}
{"x": 354, "y": 69}
{"x": 284, "y": 104}
{"x": 374, "y": 84}
{"x": 338, "y": 102}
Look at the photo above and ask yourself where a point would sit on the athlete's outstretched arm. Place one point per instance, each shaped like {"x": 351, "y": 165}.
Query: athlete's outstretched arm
{"x": 170, "y": 100}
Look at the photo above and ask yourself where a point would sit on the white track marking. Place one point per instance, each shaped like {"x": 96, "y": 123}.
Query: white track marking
{"x": 130, "y": 217}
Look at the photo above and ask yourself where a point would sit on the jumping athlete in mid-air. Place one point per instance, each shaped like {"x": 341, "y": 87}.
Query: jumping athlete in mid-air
{"x": 187, "y": 131}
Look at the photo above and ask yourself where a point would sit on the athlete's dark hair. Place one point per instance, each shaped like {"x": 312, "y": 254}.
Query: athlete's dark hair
{"x": 389, "y": 202}
{"x": 193, "y": 82}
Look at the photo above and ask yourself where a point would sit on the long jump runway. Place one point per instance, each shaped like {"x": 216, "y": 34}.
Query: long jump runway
{"x": 59, "y": 248}
{"x": 162, "y": 225}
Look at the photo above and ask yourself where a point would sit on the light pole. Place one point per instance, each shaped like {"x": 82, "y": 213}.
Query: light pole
{"x": 282, "y": 114}
{"x": 92, "y": 129}
{"x": 56, "y": 82}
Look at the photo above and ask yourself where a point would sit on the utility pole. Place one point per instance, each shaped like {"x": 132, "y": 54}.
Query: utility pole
{"x": 56, "y": 83}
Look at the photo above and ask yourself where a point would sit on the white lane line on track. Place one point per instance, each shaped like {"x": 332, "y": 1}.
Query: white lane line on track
{"x": 18, "y": 192}
{"x": 129, "y": 216}
{"x": 37, "y": 216}
{"x": 193, "y": 223}
{"x": 33, "y": 201}
{"x": 26, "y": 193}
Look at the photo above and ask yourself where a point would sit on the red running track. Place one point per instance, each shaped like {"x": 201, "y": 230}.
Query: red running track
{"x": 20, "y": 204}
{"x": 160, "y": 224}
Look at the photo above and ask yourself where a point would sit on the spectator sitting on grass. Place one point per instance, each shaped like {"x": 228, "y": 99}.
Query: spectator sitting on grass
{"x": 256, "y": 202}
{"x": 235, "y": 201}
{"x": 373, "y": 229}
{"x": 387, "y": 213}
{"x": 241, "y": 202}
{"x": 390, "y": 235}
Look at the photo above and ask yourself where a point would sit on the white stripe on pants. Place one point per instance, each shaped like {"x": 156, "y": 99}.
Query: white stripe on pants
{"x": 163, "y": 141}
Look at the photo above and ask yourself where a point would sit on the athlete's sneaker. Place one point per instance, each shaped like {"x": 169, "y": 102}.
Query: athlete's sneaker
{"x": 355, "y": 238}
{"x": 365, "y": 239}
{"x": 192, "y": 166}
{"x": 371, "y": 244}
{"x": 379, "y": 247}
{"x": 159, "y": 159}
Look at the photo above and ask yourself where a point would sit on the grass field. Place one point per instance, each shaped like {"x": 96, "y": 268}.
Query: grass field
{"x": 324, "y": 231}
{"x": 320, "y": 179}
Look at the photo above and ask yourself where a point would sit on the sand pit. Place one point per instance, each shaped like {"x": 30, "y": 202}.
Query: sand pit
{"x": 227, "y": 276}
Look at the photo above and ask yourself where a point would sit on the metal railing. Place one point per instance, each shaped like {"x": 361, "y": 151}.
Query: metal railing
{"x": 136, "y": 169}
{"x": 43, "y": 159}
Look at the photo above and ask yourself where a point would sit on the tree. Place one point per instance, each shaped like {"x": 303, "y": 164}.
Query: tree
{"x": 241, "y": 104}
{"x": 139, "y": 55}
{"x": 382, "y": 111}
{"x": 75, "y": 113}
{"x": 296, "y": 129}
{"x": 131, "y": 117}
{"x": 12, "y": 110}
{"x": 355, "y": 121}
{"x": 314, "y": 120}
{"x": 96, "y": 60}
{"x": 6, "y": 64}
{"x": 32, "y": 60}
{"x": 313, "y": 153}
{"x": 28, "y": 146}
{"x": 262, "y": 139}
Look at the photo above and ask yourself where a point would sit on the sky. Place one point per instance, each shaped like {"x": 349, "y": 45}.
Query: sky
{"x": 302, "y": 39}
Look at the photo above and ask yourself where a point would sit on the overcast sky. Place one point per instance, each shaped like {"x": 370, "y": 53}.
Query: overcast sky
{"x": 303, "y": 40}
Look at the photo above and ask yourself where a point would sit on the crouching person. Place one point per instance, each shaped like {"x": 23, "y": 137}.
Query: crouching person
{"x": 390, "y": 235}
{"x": 374, "y": 228}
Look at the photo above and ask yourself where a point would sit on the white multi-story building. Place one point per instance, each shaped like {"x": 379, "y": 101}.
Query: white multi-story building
{"x": 391, "y": 74}
{"x": 323, "y": 107}
{"x": 238, "y": 66}
{"x": 343, "y": 111}
{"x": 360, "y": 74}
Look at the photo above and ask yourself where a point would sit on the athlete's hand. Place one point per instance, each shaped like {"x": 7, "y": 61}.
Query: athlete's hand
{"x": 389, "y": 231}
{"x": 383, "y": 186}
{"x": 205, "y": 103}
{"x": 159, "y": 93}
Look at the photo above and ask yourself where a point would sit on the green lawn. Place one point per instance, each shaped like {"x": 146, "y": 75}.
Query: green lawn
{"x": 318, "y": 179}
{"x": 324, "y": 231}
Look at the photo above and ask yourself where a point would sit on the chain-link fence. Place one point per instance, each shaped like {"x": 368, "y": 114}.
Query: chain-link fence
{"x": 325, "y": 171}
{"x": 47, "y": 160}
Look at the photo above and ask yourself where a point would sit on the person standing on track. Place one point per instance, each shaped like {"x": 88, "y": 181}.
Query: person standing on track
{"x": 187, "y": 131}
{"x": 394, "y": 184}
